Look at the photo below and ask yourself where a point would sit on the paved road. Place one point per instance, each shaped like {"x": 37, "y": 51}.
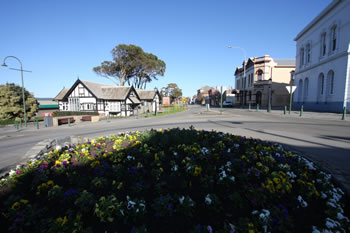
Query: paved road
{"x": 322, "y": 137}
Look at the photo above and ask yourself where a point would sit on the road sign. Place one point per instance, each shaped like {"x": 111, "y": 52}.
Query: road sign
{"x": 293, "y": 88}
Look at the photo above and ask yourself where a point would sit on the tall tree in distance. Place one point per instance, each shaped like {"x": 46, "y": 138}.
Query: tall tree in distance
{"x": 131, "y": 65}
{"x": 172, "y": 91}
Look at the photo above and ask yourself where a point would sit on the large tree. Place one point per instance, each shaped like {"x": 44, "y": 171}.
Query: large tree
{"x": 11, "y": 102}
{"x": 172, "y": 91}
{"x": 132, "y": 65}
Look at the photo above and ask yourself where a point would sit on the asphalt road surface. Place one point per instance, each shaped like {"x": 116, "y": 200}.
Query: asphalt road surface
{"x": 324, "y": 140}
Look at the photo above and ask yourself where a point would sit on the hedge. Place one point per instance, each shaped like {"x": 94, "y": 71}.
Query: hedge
{"x": 71, "y": 113}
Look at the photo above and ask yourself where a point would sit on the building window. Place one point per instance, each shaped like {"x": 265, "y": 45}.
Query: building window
{"x": 308, "y": 53}
{"x": 323, "y": 44}
{"x": 330, "y": 82}
{"x": 302, "y": 56}
{"x": 300, "y": 92}
{"x": 81, "y": 91}
{"x": 321, "y": 83}
{"x": 306, "y": 89}
{"x": 334, "y": 38}
{"x": 259, "y": 74}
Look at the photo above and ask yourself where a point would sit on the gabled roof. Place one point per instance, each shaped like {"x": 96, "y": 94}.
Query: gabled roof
{"x": 101, "y": 91}
{"x": 114, "y": 93}
{"x": 61, "y": 94}
{"x": 285, "y": 62}
{"x": 147, "y": 94}
{"x": 96, "y": 88}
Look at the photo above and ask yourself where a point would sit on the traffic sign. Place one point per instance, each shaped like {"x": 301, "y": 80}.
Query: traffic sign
{"x": 293, "y": 88}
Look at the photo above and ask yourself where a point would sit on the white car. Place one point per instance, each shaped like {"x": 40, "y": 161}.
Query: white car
{"x": 227, "y": 104}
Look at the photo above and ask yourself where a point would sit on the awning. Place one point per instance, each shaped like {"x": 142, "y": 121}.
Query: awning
{"x": 135, "y": 100}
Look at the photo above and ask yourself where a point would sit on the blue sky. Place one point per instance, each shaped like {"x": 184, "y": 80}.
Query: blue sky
{"x": 61, "y": 40}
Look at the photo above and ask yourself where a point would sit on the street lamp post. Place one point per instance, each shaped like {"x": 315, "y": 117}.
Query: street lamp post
{"x": 245, "y": 58}
{"x": 290, "y": 90}
{"x": 24, "y": 101}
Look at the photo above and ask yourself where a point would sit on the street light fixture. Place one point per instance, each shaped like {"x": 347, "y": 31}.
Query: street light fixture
{"x": 24, "y": 101}
{"x": 245, "y": 58}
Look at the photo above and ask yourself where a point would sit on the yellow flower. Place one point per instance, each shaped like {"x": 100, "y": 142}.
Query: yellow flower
{"x": 120, "y": 185}
{"x": 25, "y": 202}
{"x": 156, "y": 157}
{"x": 15, "y": 206}
{"x": 58, "y": 162}
{"x": 95, "y": 164}
{"x": 161, "y": 169}
{"x": 197, "y": 171}
{"x": 50, "y": 183}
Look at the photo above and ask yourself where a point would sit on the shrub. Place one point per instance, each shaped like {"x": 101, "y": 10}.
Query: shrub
{"x": 71, "y": 113}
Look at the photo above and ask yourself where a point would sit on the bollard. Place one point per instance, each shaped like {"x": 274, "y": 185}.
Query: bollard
{"x": 69, "y": 122}
{"x": 257, "y": 107}
{"x": 344, "y": 114}
{"x": 37, "y": 124}
{"x": 285, "y": 110}
{"x": 25, "y": 122}
{"x": 17, "y": 125}
{"x": 249, "y": 107}
{"x": 20, "y": 122}
{"x": 269, "y": 108}
{"x": 301, "y": 110}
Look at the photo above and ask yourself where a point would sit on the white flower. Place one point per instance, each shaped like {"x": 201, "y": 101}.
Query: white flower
{"x": 130, "y": 157}
{"x": 204, "y": 150}
{"x": 255, "y": 212}
{"x": 18, "y": 167}
{"x": 291, "y": 175}
{"x": 12, "y": 172}
{"x": 323, "y": 195}
{"x": 314, "y": 230}
{"x": 233, "y": 178}
{"x": 175, "y": 154}
{"x": 181, "y": 199}
{"x": 229, "y": 150}
{"x": 330, "y": 223}
{"x": 222, "y": 174}
{"x": 208, "y": 200}
{"x": 174, "y": 168}
{"x": 302, "y": 202}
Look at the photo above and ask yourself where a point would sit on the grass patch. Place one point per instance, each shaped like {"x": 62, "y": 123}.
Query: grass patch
{"x": 176, "y": 180}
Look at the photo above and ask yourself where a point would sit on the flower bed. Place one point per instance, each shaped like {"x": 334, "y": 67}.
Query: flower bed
{"x": 171, "y": 181}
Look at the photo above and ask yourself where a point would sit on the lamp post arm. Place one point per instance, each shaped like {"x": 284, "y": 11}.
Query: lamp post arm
{"x": 24, "y": 101}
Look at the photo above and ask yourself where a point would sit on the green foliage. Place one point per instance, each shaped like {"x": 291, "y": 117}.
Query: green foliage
{"x": 11, "y": 102}
{"x": 131, "y": 64}
{"x": 7, "y": 122}
{"x": 172, "y": 91}
{"x": 71, "y": 113}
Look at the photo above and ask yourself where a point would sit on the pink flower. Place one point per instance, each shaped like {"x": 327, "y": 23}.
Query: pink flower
{"x": 18, "y": 172}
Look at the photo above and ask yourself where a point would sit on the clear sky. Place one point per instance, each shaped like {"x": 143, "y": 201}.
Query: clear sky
{"x": 63, "y": 39}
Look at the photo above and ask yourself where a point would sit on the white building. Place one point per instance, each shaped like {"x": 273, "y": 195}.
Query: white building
{"x": 105, "y": 99}
{"x": 322, "y": 60}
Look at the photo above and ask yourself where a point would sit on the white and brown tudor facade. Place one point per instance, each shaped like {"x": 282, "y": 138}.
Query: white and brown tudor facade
{"x": 96, "y": 97}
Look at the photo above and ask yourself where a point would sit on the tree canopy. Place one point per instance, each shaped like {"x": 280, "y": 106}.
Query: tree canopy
{"x": 172, "y": 91}
{"x": 11, "y": 102}
{"x": 131, "y": 65}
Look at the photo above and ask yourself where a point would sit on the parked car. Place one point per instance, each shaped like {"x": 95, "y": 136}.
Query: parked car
{"x": 227, "y": 104}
